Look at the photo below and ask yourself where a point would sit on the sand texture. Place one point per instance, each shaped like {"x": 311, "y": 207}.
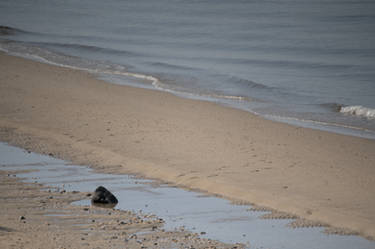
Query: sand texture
{"x": 315, "y": 175}
{"x": 33, "y": 216}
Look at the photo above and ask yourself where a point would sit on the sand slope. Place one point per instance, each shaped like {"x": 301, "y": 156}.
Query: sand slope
{"x": 313, "y": 174}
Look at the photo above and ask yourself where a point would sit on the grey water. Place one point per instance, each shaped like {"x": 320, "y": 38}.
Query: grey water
{"x": 218, "y": 218}
{"x": 306, "y": 62}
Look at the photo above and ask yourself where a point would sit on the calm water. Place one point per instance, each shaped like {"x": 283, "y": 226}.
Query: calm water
{"x": 307, "y": 62}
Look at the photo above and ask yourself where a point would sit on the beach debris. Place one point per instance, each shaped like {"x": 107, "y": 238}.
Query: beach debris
{"x": 103, "y": 198}
{"x": 340, "y": 231}
{"x": 274, "y": 214}
{"x": 304, "y": 223}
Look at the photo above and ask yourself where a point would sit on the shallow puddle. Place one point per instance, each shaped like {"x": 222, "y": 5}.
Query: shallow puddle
{"x": 212, "y": 217}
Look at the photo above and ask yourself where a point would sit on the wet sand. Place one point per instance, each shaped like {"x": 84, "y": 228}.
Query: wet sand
{"x": 211, "y": 217}
{"x": 319, "y": 176}
{"x": 34, "y": 216}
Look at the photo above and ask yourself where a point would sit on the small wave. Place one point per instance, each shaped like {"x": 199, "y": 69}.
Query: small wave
{"x": 6, "y": 30}
{"x": 167, "y": 65}
{"x": 89, "y": 48}
{"x": 335, "y": 107}
{"x": 37, "y": 53}
{"x": 247, "y": 83}
{"x": 358, "y": 110}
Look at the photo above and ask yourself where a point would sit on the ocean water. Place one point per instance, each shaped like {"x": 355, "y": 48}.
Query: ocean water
{"x": 306, "y": 62}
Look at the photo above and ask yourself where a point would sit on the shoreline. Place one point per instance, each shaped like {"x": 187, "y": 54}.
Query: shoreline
{"x": 314, "y": 174}
{"x": 40, "y": 216}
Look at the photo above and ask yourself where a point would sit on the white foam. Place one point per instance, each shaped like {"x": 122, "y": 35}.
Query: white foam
{"x": 358, "y": 110}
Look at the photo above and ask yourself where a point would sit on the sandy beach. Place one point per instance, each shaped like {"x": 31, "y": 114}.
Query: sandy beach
{"x": 316, "y": 175}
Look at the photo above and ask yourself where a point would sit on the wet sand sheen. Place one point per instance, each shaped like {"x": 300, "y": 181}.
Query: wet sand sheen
{"x": 181, "y": 211}
{"x": 41, "y": 216}
{"x": 313, "y": 174}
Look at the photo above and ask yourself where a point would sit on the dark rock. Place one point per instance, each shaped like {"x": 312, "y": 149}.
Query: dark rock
{"x": 22, "y": 218}
{"x": 103, "y": 198}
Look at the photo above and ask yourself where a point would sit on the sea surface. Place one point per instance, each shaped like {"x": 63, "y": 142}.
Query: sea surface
{"x": 306, "y": 62}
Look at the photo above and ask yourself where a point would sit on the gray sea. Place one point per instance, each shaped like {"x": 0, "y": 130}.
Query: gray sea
{"x": 310, "y": 63}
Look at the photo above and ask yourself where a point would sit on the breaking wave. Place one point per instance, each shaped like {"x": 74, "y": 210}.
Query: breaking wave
{"x": 358, "y": 110}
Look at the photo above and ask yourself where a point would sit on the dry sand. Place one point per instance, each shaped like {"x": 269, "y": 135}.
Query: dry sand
{"x": 315, "y": 175}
